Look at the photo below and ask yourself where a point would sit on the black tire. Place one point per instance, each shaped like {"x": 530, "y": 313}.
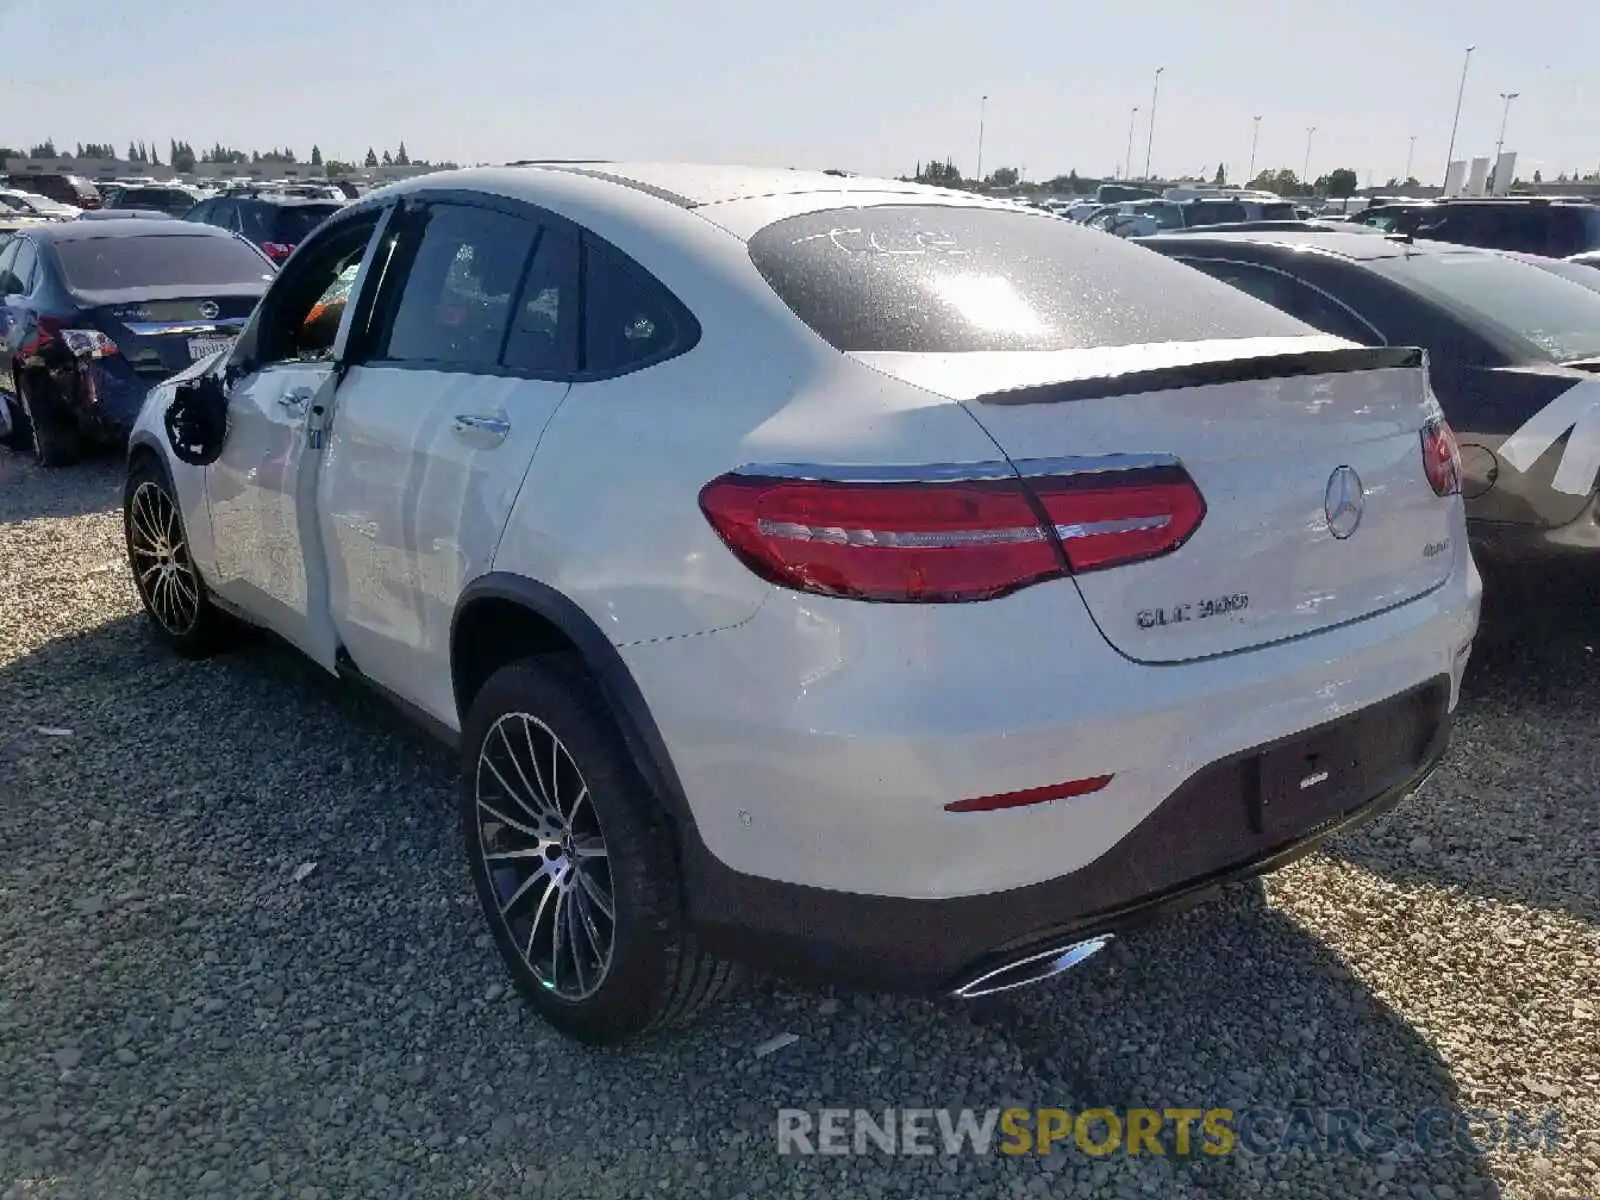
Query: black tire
{"x": 52, "y": 434}
{"x": 655, "y": 973}
{"x": 178, "y": 606}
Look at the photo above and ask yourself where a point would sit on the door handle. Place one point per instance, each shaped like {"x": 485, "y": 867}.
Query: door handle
{"x": 481, "y": 429}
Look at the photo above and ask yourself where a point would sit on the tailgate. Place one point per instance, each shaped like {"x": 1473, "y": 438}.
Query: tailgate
{"x": 1309, "y": 459}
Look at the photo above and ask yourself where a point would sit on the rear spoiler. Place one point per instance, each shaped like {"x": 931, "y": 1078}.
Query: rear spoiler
{"x": 1208, "y": 374}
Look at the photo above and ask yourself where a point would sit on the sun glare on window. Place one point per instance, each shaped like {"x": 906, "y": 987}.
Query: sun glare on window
{"x": 989, "y": 302}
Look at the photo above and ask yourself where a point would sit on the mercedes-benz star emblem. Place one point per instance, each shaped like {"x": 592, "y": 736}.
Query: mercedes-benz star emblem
{"x": 1344, "y": 502}
{"x": 209, "y": 310}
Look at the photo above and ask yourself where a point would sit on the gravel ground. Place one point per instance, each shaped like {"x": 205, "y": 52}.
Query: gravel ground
{"x": 179, "y": 1017}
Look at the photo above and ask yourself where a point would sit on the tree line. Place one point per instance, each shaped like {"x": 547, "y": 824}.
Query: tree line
{"x": 1336, "y": 184}
{"x": 182, "y": 157}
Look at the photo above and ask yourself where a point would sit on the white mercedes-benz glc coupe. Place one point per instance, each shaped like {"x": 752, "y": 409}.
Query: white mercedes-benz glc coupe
{"x": 829, "y": 574}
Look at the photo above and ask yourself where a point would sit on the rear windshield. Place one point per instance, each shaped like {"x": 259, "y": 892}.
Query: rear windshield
{"x": 1277, "y": 212}
{"x": 1215, "y": 214}
{"x": 1559, "y": 318}
{"x": 109, "y": 264}
{"x": 942, "y": 278}
{"x": 293, "y": 223}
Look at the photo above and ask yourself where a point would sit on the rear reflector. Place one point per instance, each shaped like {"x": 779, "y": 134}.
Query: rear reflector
{"x": 1441, "y": 457}
{"x": 948, "y": 541}
{"x": 1038, "y": 795}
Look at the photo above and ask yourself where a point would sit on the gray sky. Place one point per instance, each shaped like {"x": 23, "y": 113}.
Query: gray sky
{"x": 868, "y": 85}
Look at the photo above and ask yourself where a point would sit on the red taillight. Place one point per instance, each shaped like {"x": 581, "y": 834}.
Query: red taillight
{"x": 276, "y": 250}
{"x": 1107, "y": 519}
{"x": 81, "y": 343}
{"x": 952, "y": 541}
{"x": 1441, "y": 457}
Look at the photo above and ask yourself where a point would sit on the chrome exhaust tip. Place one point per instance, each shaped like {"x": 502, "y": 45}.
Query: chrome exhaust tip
{"x": 1035, "y": 968}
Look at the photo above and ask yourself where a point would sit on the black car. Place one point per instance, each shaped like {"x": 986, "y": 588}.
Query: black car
{"x": 148, "y": 197}
{"x": 1531, "y": 225}
{"x": 95, "y": 313}
{"x": 1505, "y": 340}
{"x": 277, "y": 224}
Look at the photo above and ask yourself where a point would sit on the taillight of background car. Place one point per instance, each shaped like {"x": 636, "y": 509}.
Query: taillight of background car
{"x": 947, "y": 542}
{"x": 277, "y": 251}
{"x": 1441, "y": 457}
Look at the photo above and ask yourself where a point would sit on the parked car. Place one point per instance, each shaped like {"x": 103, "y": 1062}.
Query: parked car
{"x": 275, "y": 223}
{"x": 29, "y": 204}
{"x": 1155, "y": 216}
{"x": 830, "y": 573}
{"x": 1505, "y": 339}
{"x": 62, "y": 188}
{"x": 96, "y": 312}
{"x": 170, "y": 199}
{"x": 1530, "y": 224}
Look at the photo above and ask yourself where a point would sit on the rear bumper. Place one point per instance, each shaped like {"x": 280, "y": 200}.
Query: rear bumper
{"x": 1213, "y": 830}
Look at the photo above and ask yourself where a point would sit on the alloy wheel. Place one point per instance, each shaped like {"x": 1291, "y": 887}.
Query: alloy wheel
{"x": 161, "y": 564}
{"x": 545, "y": 855}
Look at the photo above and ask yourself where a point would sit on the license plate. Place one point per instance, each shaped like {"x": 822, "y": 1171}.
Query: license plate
{"x": 204, "y": 347}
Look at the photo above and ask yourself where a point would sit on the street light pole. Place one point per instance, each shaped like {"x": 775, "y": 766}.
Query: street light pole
{"x": 1500, "y": 145}
{"x": 983, "y": 113}
{"x": 1505, "y": 116}
{"x": 1305, "y": 172}
{"x": 1127, "y": 163}
{"x": 1410, "y": 154}
{"x": 1150, "y": 140}
{"x": 1449, "y": 155}
{"x": 1255, "y": 139}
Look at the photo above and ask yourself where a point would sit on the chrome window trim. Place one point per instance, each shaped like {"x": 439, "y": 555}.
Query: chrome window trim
{"x": 1026, "y": 468}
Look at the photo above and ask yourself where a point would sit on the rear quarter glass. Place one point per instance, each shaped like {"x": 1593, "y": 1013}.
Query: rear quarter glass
{"x": 939, "y": 279}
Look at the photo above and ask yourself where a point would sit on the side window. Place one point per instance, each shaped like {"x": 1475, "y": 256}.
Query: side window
{"x": 456, "y": 287}
{"x": 627, "y": 318}
{"x": 1290, "y": 295}
{"x": 300, "y": 316}
{"x": 201, "y": 212}
{"x": 22, "y": 269}
{"x": 544, "y": 328}
{"x": 8, "y": 255}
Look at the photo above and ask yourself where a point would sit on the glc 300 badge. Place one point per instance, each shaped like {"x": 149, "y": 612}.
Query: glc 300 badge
{"x": 1343, "y": 502}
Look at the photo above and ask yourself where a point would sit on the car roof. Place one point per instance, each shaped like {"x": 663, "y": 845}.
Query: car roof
{"x": 1360, "y": 247}
{"x": 77, "y": 231}
{"x": 280, "y": 198}
{"x": 694, "y": 185}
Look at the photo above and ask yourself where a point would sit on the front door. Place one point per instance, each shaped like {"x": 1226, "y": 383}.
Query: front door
{"x": 261, "y": 491}
{"x": 472, "y": 339}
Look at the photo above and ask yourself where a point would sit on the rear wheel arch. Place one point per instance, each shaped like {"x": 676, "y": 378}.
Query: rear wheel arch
{"x": 502, "y": 617}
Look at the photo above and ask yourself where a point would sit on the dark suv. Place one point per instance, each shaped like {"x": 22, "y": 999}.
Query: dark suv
{"x": 66, "y": 189}
{"x": 277, "y": 224}
{"x": 147, "y": 197}
{"x": 1555, "y": 228}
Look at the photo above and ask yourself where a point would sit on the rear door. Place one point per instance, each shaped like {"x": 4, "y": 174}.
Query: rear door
{"x": 469, "y": 352}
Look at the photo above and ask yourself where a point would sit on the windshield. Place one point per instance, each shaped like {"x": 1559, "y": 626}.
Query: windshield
{"x": 1559, "y": 318}
{"x": 159, "y": 260}
{"x": 940, "y": 278}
